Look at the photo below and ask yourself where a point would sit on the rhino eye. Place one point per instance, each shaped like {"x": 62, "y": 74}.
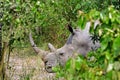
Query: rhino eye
{"x": 82, "y": 45}
{"x": 46, "y": 62}
{"x": 61, "y": 54}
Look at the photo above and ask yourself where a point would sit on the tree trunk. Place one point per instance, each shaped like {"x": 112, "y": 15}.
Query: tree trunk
{"x": 2, "y": 54}
{"x": 2, "y": 69}
{"x": 1, "y": 64}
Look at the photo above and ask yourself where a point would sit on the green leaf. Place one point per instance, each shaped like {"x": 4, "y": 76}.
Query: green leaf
{"x": 78, "y": 6}
{"x": 68, "y": 64}
{"x": 108, "y": 56}
{"x": 117, "y": 65}
{"x": 106, "y": 19}
{"x": 110, "y": 15}
{"x": 104, "y": 44}
{"x": 110, "y": 67}
{"x": 116, "y": 46}
{"x": 78, "y": 63}
{"x": 101, "y": 16}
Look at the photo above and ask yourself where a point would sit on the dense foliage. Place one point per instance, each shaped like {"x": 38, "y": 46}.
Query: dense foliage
{"x": 105, "y": 63}
{"x": 47, "y": 19}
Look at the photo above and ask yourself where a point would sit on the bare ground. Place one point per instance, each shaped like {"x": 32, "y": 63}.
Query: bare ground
{"x": 26, "y": 68}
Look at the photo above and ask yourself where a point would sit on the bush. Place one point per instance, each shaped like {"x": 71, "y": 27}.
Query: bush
{"x": 104, "y": 64}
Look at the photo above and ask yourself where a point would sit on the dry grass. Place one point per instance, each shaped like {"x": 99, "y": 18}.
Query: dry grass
{"x": 24, "y": 66}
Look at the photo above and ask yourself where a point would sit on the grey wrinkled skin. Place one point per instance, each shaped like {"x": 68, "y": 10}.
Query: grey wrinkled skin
{"x": 79, "y": 41}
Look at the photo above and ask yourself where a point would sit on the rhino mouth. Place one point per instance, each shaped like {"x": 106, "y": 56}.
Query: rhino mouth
{"x": 49, "y": 69}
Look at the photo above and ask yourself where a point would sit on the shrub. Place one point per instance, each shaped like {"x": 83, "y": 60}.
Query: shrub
{"x": 104, "y": 64}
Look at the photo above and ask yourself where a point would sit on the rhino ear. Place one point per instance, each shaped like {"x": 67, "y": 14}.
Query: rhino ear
{"x": 97, "y": 22}
{"x": 70, "y": 28}
{"x": 87, "y": 27}
{"x": 51, "y": 47}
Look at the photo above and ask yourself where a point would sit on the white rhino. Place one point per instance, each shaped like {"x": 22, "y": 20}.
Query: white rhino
{"x": 79, "y": 41}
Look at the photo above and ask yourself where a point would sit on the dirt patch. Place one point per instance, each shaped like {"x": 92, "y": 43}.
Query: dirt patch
{"x": 27, "y": 68}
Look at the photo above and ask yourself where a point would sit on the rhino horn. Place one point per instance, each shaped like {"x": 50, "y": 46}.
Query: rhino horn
{"x": 51, "y": 47}
{"x": 36, "y": 49}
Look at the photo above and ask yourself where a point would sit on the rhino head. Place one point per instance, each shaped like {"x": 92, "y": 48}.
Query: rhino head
{"x": 53, "y": 57}
{"x": 79, "y": 41}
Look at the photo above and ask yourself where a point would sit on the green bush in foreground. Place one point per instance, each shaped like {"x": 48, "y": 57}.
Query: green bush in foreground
{"x": 104, "y": 64}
